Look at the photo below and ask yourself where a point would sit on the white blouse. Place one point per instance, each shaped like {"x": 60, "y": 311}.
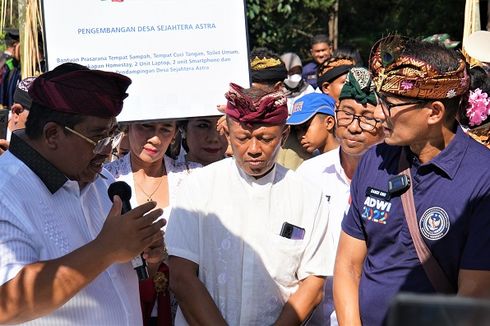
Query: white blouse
{"x": 176, "y": 172}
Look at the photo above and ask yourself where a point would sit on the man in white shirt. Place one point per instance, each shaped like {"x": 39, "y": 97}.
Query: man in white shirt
{"x": 64, "y": 250}
{"x": 246, "y": 236}
{"x": 356, "y": 130}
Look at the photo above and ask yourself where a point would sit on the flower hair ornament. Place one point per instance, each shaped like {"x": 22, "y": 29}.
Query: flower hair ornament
{"x": 478, "y": 109}
{"x": 478, "y": 114}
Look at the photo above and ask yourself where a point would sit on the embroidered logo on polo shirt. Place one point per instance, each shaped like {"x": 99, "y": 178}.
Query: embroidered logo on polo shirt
{"x": 434, "y": 224}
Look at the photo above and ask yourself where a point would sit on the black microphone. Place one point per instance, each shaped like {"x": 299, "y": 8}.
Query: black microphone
{"x": 123, "y": 190}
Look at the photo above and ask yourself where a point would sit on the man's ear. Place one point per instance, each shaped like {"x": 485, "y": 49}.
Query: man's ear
{"x": 329, "y": 123}
{"x": 17, "y": 109}
{"x": 278, "y": 86}
{"x": 285, "y": 134}
{"x": 325, "y": 87}
{"x": 52, "y": 133}
{"x": 437, "y": 113}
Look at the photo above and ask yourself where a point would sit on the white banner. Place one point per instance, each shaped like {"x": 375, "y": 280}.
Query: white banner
{"x": 180, "y": 54}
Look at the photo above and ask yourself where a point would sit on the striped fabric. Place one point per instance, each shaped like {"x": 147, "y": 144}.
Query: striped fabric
{"x": 37, "y": 225}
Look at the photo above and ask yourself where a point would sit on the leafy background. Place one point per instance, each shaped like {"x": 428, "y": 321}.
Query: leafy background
{"x": 287, "y": 25}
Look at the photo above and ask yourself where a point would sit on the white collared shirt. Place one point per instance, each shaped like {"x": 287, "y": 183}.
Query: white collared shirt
{"x": 326, "y": 171}
{"x": 37, "y": 225}
{"x": 230, "y": 223}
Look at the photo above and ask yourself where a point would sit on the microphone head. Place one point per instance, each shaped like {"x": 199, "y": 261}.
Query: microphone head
{"x": 120, "y": 188}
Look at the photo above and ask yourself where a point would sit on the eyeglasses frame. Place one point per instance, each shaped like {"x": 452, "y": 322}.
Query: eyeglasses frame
{"x": 358, "y": 118}
{"x": 387, "y": 106}
{"x": 93, "y": 143}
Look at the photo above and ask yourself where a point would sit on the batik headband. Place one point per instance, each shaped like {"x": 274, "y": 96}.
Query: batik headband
{"x": 359, "y": 86}
{"x": 332, "y": 69}
{"x": 270, "y": 108}
{"x": 399, "y": 74}
{"x": 268, "y": 70}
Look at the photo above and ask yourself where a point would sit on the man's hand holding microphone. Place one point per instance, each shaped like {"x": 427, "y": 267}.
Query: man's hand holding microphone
{"x": 128, "y": 233}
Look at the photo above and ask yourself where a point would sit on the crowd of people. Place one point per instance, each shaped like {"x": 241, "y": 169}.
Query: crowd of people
{"x": 314, "y": 196}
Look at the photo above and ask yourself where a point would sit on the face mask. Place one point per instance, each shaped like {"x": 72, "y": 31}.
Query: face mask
{"x": 293, "y": 81}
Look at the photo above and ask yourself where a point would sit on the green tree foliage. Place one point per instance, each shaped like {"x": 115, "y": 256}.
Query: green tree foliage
{"x": 9, "y": 11}
{"x": 362, "y": 22}
{"x": 287, "y": 25}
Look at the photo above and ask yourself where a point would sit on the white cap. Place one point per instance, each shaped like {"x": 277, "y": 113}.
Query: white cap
{"x": 477, "y": 45}
{"x": 291, "y": 60}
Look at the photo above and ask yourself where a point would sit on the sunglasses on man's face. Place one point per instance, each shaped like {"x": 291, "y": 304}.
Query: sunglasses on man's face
{"x": 101, "y": 146}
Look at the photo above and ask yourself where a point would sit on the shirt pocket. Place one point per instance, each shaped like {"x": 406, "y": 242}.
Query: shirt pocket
{"x": 285, "y": 255}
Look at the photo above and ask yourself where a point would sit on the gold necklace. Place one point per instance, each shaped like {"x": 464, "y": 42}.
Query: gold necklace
{"x": 149, "y": 197}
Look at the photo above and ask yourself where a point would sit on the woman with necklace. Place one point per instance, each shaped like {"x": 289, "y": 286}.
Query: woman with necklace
{"x": 152, "y": 176}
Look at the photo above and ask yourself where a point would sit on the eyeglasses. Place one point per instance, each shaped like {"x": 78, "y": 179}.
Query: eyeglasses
{"x": 345, "y": 118}
{"x": 387, "y": 106}
{"x": 101, "y": 146}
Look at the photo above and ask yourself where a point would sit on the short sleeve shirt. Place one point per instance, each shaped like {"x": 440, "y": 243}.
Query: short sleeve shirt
{"x": 452, "y": 201}
{"x": 326, "y": 171}
{"x": 309, "y": 73}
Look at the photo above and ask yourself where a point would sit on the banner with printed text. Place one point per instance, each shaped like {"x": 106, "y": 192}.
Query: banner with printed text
{"x": 180, "y": 54}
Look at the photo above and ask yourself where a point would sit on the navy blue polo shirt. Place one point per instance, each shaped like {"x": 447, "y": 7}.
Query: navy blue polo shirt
{"x": 452, "y": 199}
{"x": 309, "y": 73}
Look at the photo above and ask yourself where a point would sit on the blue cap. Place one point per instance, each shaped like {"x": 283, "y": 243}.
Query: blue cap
{"x": 310, "y": 104}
